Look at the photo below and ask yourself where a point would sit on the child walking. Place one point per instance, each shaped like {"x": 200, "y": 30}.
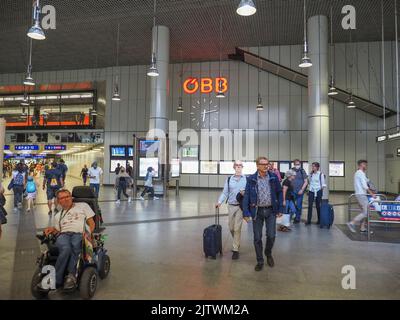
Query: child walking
{"x": 31, "y": 193}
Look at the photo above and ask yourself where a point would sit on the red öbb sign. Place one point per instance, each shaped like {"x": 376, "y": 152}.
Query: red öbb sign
{"x": 205, "y": 85}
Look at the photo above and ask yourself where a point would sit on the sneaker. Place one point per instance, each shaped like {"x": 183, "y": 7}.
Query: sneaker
{"x": 28, "y": 210}
{"x": 141, "y": 198}
{"x": 129, "y": 199}
{"x": 117, "y": 201}
{"x": 351, "y": 227}
{"x": 235, "y": 255}
{"x": 155, "y": 198}
{"x": 15, "y": 208}
{"x": 19, "y": 205}
{"x": 296, "y": 221}
{"x": 364, "y": 231}
{"x": 70, "y": 282}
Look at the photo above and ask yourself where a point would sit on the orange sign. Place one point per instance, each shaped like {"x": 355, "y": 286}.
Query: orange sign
{"x": 206, "y": 85}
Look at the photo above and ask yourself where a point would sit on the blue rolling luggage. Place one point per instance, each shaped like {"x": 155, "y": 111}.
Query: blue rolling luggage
{"x": 212, "y": 238}
{"x": 327, "y": 214}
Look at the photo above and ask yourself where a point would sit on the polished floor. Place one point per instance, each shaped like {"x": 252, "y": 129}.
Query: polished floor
{"x": 156, "y": 253}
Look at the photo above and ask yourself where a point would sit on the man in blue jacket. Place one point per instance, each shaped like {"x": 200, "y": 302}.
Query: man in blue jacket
{"x": 263, "y": 202}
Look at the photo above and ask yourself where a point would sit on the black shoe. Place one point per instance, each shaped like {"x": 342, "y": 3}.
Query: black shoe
{"x": 50, "y": 213}
{"x": 296, "y": 221}
{"x": 270, "y": 261}
{"x": 259, "y": 267}
{"x": 235, "y": 255}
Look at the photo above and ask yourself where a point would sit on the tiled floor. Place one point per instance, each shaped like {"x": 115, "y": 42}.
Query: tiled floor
{"x": 156, "y": 253}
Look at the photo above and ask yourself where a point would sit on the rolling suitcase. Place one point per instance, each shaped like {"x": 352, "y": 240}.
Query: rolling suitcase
{"x": 327, "y": 215}
{"x": 212, "y": 238}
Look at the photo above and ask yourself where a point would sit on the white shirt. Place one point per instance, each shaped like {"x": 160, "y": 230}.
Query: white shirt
{"x": 73, "y": 219}
{"x": 95, "y": 173}
{"x": 317, "y": 181}
{"x": 360, "y": 182}
{"x": 149, "y": 181}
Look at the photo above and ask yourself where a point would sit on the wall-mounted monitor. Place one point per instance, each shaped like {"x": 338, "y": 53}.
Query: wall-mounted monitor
{"x": 145, "y": 163}
{"x": 149, "y": 146}
{"x": 118, "y": 151}
{"x": 190, "y": 152}
{"x": 249, "y": 167}
{"x": 130, "y": 152}
{"x": 175, "y": 168}
{"x": 208, "y": 167}
{"x": 336, "y": 169}
{"x": 284, "y": 166}
{"x": 114, "y": 164}
{"x": 190, "y": 167}
{"x": 226, "y": 167}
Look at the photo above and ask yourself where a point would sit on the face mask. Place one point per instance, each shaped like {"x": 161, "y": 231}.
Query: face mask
{"x": 297, "y": 167}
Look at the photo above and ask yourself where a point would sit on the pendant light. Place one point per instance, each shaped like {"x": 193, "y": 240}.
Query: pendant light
{"x": 116, "y": 96}
{"x": 246, "y": 8}
{"x": 350, "y": 102}
{"x": 220, "y": 93}
{"x": 332, "y": 89}
{"x": 259, "y": 104}
{"x": 29, "y": 79}
{"x": 25, "y": 101}
{"x": 305, "y": 60}
{"x": 180, "y": 107}
{"x": 153, "y": 71}
{"x": 36, "y": 31}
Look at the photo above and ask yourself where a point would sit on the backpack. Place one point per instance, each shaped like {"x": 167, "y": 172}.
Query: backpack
{"x": 31, "y": 187}
{"x": 19, "y": 179}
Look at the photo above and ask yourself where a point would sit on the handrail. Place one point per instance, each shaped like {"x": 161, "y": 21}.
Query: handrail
{"x": 349, "y": 209}
{"x": 379, "y": 221}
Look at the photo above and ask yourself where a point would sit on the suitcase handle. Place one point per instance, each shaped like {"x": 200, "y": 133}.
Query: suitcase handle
{"x": 216, "y": 215}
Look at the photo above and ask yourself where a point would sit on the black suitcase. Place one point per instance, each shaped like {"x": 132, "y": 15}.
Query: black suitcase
{"x": 212, "y": 238}
{"x": 327, "y": 215}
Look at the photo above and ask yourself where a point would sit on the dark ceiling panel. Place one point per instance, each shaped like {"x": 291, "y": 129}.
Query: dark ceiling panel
{"x": 86, "y": 29}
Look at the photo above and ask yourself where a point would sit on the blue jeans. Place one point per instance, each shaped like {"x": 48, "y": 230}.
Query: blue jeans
{"x": 96, "y": 188}
{"x": 18, "y": 192}
{"x": 69, "y": 246}
{"x": 299, "y": 203}
{"x": 264, "y": 214}
{"x": 122, "y": 188}
{"x": 290, "y": 208}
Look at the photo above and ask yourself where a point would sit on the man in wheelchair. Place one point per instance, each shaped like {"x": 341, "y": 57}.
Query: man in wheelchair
{"x": 69, "y": 227}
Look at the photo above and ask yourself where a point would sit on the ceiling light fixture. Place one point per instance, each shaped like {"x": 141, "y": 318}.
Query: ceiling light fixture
{"x": 305, "y": 60}
{"x": 220, "y": 93}
{"x": 153, "y": 71}
{"x": 246, "y": 8}
{"x": 29, "y": 79}
{"x": 260, "y": 106}
{"x": 116, "y": 96}
{"x": 350, "y": 103}
{"x": 25, "y": 101}
{"x": 180, "y": 107}
{"x": 332, "y": 89}
{"x": 36, "y": 31}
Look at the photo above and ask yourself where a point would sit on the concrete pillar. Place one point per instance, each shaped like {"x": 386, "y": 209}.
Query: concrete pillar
{"x": 2, "y": 141}
{"x": 318, "y": 108}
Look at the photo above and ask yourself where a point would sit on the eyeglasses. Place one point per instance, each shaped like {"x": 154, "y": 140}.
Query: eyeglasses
{"x": 263, "y": 164}
{"x": 63, "y": 198}
{"x": 238, "y": 165}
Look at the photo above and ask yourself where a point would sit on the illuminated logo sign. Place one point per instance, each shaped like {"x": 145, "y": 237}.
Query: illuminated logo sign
{"x": 55, "y": 147}
{"x": 205, "y": 85}
{"x": 398, "y": 152}
{"x": 29, "y": 147}
{"x": 381, "y": 138}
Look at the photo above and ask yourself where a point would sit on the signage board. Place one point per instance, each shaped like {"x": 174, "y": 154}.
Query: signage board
{"x": 55, "y": 147}
{"x": 26, "y": 147}
{"x": 205, "y": 85}
{"x": 390, "y": 211}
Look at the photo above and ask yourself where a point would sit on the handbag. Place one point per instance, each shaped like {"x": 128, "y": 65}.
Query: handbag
{"x": 11, "y": 184}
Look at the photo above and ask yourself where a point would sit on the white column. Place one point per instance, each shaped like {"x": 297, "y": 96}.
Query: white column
{"x": 2, "y": 141}
{"x": 318, "y": 108}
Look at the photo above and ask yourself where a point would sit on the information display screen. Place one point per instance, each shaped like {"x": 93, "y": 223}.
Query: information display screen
{"x": 284, "y": 167}
{"x": 226, "y": 167}
{"x": 145, "y": 163}
{"x": 190, "y": 152}
{"x": 149, "y": 146}
{"x": 249, "y": 167}
{"x": 190, "y": 167}
{"x": 130, "y": 152}
{"x": 118, "y": 151}
{"x": 208, "y": 167}
{"x": 114, "y": 163}
{"x": 175, "y": 169}
{"x": 336, "y": 169}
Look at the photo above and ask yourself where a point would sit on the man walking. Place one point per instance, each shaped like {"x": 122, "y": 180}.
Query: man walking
{"x": 362, "y": 189}
{"x": 299, "y": 186}
{"x": 95, "y": 173}
{"x": 263, "y": 202}
{"x": 233, "y": 186}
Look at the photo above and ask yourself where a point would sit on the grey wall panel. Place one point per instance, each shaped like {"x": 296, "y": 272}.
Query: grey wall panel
{"x": 338, "y": 115}
{"x": 295, "y": 144}
{"x": 123, "y": 105}
{"x": 203, "y": 181}
{"x": 375, "y": 91}
{"x": 243, "y": 121}
{"x": 284, "y": 112}
{"x": 213, "y": 181}
{"x": 361, "y": 145}
{"x": 273, "y": 113}
{"x": 362, "y": 68}
{"x": 295, "y": 117}
{"x": 361, "y": 120}
{"x": 233, "y": 112}
{"x": 273, "y": 145}
{"x": 283, "y": 145}
{"x": 263, "y": 143}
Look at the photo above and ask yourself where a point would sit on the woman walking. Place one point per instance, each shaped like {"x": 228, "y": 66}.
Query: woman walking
{"x": 18, "y": 185}
{"x": 122, "y": 181}
{"x": 148, "y": 184}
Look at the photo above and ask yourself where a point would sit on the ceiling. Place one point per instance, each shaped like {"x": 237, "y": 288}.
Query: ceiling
{"x": 86, "y": 30}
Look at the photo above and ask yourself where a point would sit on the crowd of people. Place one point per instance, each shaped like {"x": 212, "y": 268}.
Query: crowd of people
{"x": 265, "y": 199}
